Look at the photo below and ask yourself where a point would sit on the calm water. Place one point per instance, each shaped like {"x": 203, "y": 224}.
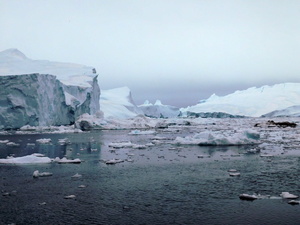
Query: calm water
{"x": 163, "y": 185}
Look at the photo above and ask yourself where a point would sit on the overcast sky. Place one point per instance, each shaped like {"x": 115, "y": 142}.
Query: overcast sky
{"x": 178, "y": 51}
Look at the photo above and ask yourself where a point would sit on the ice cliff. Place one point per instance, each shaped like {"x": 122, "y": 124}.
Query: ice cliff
{"x": 44, "y": 93}
{"x": 252, "y": 102}
{"x": 158, "y": 110}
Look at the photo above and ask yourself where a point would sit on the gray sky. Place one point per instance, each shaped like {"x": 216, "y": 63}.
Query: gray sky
{"x": 178, "y": 51}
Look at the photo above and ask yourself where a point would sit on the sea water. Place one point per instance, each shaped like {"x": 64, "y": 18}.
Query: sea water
{"x": 160, "y": 184}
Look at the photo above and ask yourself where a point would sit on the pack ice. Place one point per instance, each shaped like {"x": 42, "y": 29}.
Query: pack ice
{"x": 44, "y": 93}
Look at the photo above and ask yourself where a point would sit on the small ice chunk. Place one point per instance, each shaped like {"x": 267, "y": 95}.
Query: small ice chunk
{"x": 234, "y": 174}
{"x": 44, "y": 140}
{"x": 139, "y": 132}
{"x": 28, "y": 159}
{"x": 12, "y": 144}
{"x": 77, "y": 175}
{"x": 288, "y": 195}
{"x": 248, "y": 197}
{"x": 114, "y": 161}
{"x": 70, "y": 197}
{"x": 65, "y": 160}
{"x": 37, "y": 174}
{"x": 125, "y": 144}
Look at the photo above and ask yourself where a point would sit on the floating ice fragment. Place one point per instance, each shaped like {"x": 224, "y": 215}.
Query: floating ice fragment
{"x": 287, "y": 195}
{"x": 136, "y": 146}
{"x": 28, "y": 159}
{"x": 138, "y": 132}
{"x": 208, "y": 138}
{"x": 70, "y": 197}
{"x": 114, "y": 161}
{"x": 37, "y": 174}
{"x": 44, "y": 140}
{"x": 4, "y": 141}
{"x": 77, "y": 175}
{"x": 266, "y": 155}
{"x": 234, "y": 174}
{"x": 38, "y": 154}
{"x": 248, "y": 197}
{"x": 64, "y": 141}
{"x": 82, "y": 186}
{"x": 120, "y": 144}
{"x": 12, "y": 144}
{"x": 65, "y": 160}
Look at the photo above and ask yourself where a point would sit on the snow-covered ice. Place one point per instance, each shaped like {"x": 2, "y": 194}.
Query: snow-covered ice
{"x": 253, "y": 101}
{"x": 220, "y": 138}
{"x": 28, "y": 159}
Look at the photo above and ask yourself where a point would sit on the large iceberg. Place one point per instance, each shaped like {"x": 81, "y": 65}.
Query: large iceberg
{"x": 158, "y": 110}
{"x": 252, "y": 102}
{"x": 44, "y": 93}
{"x": 118, "y": 103}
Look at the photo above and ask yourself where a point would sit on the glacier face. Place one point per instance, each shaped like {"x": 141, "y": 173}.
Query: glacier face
{"x": 56, "y": 97}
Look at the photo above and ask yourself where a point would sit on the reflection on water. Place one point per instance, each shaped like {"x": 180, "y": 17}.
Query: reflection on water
{"x": 161, "y": 184}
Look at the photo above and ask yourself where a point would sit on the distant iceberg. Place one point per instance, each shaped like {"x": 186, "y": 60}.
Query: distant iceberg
{"x": 118, "y": 103}
{"x": 158, "y": 110}
{"x": 253, "y": 102}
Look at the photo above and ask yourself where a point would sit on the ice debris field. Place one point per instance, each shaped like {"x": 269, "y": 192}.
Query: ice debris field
{"x": 264, "y": 138}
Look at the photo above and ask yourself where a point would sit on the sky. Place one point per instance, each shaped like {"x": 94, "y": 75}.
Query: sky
{"x": 178, "y": 51}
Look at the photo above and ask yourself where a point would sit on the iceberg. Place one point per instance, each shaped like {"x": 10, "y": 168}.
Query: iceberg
{"x": 158, "y": 110}
{"x": 44, "y": 93}
{"x": 118, "y": 103}
{"x": 252, "y": 102}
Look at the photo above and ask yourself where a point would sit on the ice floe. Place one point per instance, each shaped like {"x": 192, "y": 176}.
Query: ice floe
{"x": 113, "y": 161}
{"x": 288, "y": 195}
{"x": 248, "y": 197}
{"x": 220, "y": 138}
{"x": 65, "y": 160}
{"x": 70, "y": 196}
{"x": 37, "y": 174}
{"x": 77, "y": 175}
{"x": 44, "y": 140}
{"x": 4, "y": 141}
{"x": 139, "y": 132}
{"x": 28, "y": 159}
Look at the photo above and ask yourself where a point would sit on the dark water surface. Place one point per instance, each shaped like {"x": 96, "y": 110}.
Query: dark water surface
{"x": 160, "y": 186}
